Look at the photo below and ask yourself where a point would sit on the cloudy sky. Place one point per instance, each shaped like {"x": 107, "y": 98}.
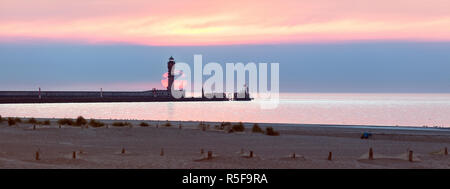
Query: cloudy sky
{"x": 321, "y": 45}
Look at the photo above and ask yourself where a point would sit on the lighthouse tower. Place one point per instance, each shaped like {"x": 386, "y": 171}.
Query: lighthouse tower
{"x": 170, "y": 65}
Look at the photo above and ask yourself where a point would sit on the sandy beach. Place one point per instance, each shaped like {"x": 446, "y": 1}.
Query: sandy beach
{"x": 160, "y": 146}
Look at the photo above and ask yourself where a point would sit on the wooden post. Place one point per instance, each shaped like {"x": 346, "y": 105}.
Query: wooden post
{"x": 37, "y": 155}
{"x": 370, "y": 154}
{"x": 34, "y": 127}
{"x": 162, "y": 152}
{"x": 410, "y": 158}
{"x": 251, "y": 154}
{"x": 330, "y": 156}
{"x": 445, "y": 151}
{"x": 60, "y": 126}
{"x": 123, "y": 151}
{"x": 74, "y": 155}
{"x": 209, "y": 154}
{"x": 201, "y": 151}
{"x": 293, "y": 156}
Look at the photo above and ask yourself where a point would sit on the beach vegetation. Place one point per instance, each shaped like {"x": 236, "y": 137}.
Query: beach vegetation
{"x": 223, "y": 125}
{"x": 45, "y": 122}
{"x": 271, "y": 132}
{"x": 238, "y": 127}
{"x": 80, "y": 121}
{"x": 1, "y": 119}
{"x": 257, "y": 129}
{"x": 66, "y": 121}
{"x": 18, "y": 120}
{"x": 32, "y": 121}
{"x": 121, "y": 124}
{"x": 144, "y": 124}
{"x": 11, "y": 121}
{"x": 202, "y": 126}
{"x": 167, "y": 124}
{"x": 95, "y": 123}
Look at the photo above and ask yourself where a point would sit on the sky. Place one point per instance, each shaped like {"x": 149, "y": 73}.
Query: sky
{"x": 321, "y": 45}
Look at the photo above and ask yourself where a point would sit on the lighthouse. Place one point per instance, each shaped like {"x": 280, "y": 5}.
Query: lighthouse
{"x": 170, "y": 76}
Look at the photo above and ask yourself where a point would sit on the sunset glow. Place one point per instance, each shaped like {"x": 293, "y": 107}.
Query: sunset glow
{"x": 216, "y": 23}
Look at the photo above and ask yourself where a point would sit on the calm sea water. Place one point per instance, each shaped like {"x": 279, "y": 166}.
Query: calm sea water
{"x": 355, "y": 109}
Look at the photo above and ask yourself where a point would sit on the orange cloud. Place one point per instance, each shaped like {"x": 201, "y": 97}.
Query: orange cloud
{"x": 217, "y": 23}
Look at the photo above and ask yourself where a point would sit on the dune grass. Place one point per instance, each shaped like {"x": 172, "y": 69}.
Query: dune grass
{"x": 32, "y": 121}
{"x": 11, "y": 121}
{"x": 45, "y": 122}
{"x": 239, "y": 127}
{"x": 144, "y": 124}
{"x": 66, "y": 121}
{"x": 271, "y": 132}
{"x": 18, "y": 120}
{"x": 167, "y": 124}
{"x": 223, "y": 125}
{"x": 121, "y": 124}
{"x": 95, "y": 123}
{"x": 257, "y": 129}
{"x": 202, "y": 126}
{"x": 80, "y": 121}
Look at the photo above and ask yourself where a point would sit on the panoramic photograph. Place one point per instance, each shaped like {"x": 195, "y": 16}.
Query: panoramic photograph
{"x": 224, "y": 85}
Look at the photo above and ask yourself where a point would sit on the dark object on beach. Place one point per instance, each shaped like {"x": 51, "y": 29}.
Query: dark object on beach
{"x": 162, "y": 152}
{"x": 445, "y": 151}
{"x": 257, "y": 129}
{"x": 95, "y": 123}
{"x": 66, "y": 121}
{"x": 37, "y": 155}
{"x": 144, "y": 124}
{"x": 1, "y": 119}
{"x": 251, "y": 154}
{"x": 11, "y": 121}
{"x": 410, "y": 156}
{"x": 293, "y": 156}
{"x": 34, "y": 127}
{"x": 74, "y": 155}
{"x": 271, "y": 132}
{"x": 370, "y": 154}
{"x": 123, "y": 151}
{"x": 366, "y": 135}
{"x": 330, "y": 156}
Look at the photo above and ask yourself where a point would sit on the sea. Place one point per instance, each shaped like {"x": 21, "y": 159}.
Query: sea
{"x": 373, "y": 109}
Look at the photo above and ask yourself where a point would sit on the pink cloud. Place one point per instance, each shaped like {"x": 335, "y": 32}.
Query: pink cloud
{"x": 217, "y": 22}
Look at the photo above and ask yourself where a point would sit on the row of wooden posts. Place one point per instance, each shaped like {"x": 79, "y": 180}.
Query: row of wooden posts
{"x": 410, "y": 154}
{"x": 210, "y": 154}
